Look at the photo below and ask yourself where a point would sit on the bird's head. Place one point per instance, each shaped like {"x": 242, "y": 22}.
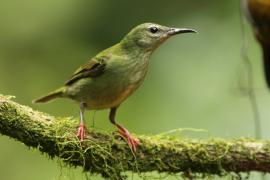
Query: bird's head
{"x": 149, "y": 36}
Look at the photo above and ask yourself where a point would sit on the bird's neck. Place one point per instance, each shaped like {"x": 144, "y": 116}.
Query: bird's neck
{"x": 131, "y": 46}
{"x": 135, "y": 58}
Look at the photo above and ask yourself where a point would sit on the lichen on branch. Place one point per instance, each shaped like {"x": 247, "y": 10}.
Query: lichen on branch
{"x": 108, "y": 154}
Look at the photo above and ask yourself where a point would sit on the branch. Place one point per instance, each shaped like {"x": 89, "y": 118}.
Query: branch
{"x": 107, "y": 154}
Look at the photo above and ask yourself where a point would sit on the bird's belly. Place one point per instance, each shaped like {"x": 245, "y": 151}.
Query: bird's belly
{"x": 110, "y": 99}
{"x": 106, "y": 91}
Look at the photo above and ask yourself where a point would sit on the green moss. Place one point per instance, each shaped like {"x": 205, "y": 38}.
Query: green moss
{"x": 107, "y": 154}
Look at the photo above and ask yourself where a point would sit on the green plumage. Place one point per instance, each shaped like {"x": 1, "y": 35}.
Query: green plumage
{"x": 111, "y": 76}
{"x": 52, "y": 95}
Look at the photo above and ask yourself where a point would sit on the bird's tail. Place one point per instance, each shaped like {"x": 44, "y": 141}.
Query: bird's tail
{"x": 55, "y": 94}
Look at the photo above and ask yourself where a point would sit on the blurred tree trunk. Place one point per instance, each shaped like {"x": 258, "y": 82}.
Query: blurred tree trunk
{"x": 258, "y": 13}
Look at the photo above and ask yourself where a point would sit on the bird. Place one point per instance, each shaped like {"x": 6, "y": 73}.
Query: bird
{"x": 110, "y": 77}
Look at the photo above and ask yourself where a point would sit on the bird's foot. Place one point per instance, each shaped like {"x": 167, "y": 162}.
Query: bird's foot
{"x": 81, "y": 132}
{"x": 132, "y": 142}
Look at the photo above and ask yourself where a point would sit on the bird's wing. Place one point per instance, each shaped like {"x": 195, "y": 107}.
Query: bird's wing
{"x": 93, "y": 68}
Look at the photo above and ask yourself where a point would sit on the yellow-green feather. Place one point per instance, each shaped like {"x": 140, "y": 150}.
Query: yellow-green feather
{"x": 52, "y": 95}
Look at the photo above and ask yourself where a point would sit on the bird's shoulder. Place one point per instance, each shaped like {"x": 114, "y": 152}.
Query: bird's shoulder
{"x": 97, "y": 66}
{"x": 93, "y": 68}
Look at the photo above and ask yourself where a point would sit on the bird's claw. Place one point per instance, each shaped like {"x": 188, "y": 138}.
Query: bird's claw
{"x": 81, "y": 132}
{"x": 132, "y": 142}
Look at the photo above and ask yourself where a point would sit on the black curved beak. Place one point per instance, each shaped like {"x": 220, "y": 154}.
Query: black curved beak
{"x": 174, "y": 31}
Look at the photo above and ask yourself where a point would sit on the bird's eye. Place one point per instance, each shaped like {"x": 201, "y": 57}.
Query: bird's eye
{"x": 153, "y": 29}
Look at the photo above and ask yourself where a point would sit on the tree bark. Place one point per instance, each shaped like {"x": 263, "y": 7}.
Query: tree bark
{"x": 108, "y": 154}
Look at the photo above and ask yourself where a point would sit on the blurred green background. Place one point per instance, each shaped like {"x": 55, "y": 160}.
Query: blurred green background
{"x": 195, "y": 80}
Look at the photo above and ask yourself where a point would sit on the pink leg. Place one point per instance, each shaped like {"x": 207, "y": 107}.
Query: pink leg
{"x": 132, "y": 142}
{"x": 81, "y": 130}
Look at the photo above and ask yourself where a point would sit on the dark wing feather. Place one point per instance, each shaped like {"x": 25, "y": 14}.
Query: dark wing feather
{"x": 94, "y": 68}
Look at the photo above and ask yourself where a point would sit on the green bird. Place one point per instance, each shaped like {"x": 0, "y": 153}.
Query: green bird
{"x": 110, "y": 77}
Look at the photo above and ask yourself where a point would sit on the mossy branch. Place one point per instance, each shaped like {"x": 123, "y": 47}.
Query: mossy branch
{"x": 108, "y": 154}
